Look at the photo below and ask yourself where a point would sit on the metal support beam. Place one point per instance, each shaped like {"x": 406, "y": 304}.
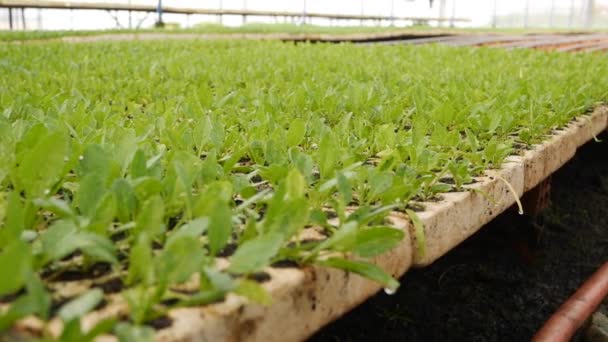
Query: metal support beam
{"x": 304, "y": 12}
{"x": 159, "y": 11}
{"x": 10, "y": 18}
{"x": 220, "y": 17}
{"x": 23, "y": 19}
{"x": 130, "y": 18}
{"x": 116, "y": 19}
{"x": 141, "y": 21}
{"x": 244, "y": 9}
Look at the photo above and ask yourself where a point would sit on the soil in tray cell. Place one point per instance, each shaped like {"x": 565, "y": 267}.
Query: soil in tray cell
{"x": 504, "y": 282}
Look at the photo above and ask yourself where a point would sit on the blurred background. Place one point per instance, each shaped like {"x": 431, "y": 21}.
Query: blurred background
{"x": 567, "y": 14}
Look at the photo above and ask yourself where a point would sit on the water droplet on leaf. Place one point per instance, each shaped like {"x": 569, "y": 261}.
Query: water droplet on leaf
{"x": 389, "y": 291}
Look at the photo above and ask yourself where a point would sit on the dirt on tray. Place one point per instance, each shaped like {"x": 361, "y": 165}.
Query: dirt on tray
{"x": 503, "y": 283}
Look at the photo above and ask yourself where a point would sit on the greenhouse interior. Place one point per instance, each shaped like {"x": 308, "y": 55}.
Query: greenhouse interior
{"x": 304, "y": 170}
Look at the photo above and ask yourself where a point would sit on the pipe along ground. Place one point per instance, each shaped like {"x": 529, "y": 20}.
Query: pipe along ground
{"x": 576, "y": 310}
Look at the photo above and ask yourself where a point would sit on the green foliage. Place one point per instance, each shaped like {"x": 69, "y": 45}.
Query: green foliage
{"x": 159, "y": 159}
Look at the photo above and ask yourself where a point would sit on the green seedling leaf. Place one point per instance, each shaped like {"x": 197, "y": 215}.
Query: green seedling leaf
{"x": 103, "y": 327}
{"x": 126, "y": 202}
{"x": 440, "y": 188}
{"x": 327, "y": 156}
{"x": 212, "y": 279}
{"x": 95, "y": 160}
{"x": 104, "y": 214}
{"x": 344, "y": 188}
{"x": 375, "y": 241}
{"x": 146, "y": 187}
{"x": 63, "y": 238}
{"x": 50, "y": 151}
{"x": 16, "y": 265}
{"x": 253, "y": 291}
{"x": 220, "y": 226}
{"x": 255, "y": 254}
{"x": 39, "y": 296}
{"x": 213, "y": 204}
{"x": 134, "y": 333}
{"x": 303, "y": 162}
{"x": 58, "y": 207}
{"x": 180, "y": 258}
{"x": 203, "y": 298}
{"x": 141, "y": 267}
{"x": 296, "y": 184}
{"x": 194, "y": 228}
{"x": 296, "y": 132}
{"x": 344, "y": 239}
{"x": 96, "y": 246}
{"x": 91, "y": 191}
{"x": 72, "y": 332}
{"x": 151, "y": 217}
{"x": 81, "y": 305}
{"x": 138, "y": 165}
{"x": 36, "y": 301}
{"x": 15, "y": 219}
{"x": 418, "y": 233}
{"x": 20, "y": 308}
{"x": 364, "y": 269}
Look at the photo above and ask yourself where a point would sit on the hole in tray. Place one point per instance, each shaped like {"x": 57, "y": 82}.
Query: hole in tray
{"x": 113, "y": 285}
{"x": 75, "y": 274}
{"x": 228, "y": 250}
{"x": 260, "y": 277}
{"x": 285, "y": 264}
{"x": 160, "y": 323}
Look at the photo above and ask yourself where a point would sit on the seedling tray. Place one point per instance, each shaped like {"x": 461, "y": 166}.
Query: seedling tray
{"x": 305, "y": 299}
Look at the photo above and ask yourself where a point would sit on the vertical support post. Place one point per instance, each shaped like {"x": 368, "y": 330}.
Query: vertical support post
{"x": 159, "y": 11}
{"x": 304, "y": 12}
{"x": 220, "y": 17}
{"x": 39, "y": 19}
{"x": 130, "y": 18}
{"x": 23, "y": 18}
{"x": 244, "y": 10}
{"x": 10, "y": 18}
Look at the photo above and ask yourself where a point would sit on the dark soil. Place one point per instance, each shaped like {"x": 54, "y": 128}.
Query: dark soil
{"x": 160, "y": 322}
{"x": 503, "y": 283}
